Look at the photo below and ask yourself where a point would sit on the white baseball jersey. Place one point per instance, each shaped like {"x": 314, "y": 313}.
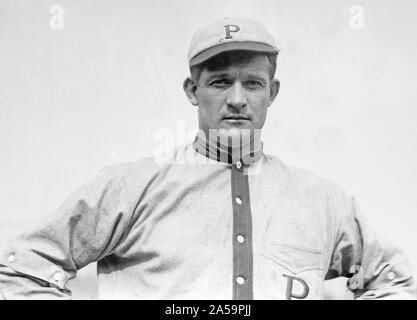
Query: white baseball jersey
{"x": 199, "y": 228}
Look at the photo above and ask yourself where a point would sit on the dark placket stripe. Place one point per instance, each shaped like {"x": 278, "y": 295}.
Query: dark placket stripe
{"x": 242, "y": 225}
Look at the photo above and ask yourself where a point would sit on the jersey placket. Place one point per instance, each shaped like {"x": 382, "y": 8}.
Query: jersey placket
{"x": 242, "y": 235}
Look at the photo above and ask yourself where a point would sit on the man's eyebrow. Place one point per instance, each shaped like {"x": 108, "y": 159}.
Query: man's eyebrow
{"x": 255, "y": 76}
{"x": 218, "y": 74}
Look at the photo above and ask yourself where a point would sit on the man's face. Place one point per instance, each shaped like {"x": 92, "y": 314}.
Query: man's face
{"x": 235, "y": 97}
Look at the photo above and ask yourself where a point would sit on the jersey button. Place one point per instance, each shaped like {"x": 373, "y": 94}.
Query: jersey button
{"x": 57, "y": 276}
{"x": 11, "y": 258}
{"x": 240, "y": 238}
{"x": 238, "y": 200}
{"x": 240, "y": 280}
{"x": 238, "y": 164}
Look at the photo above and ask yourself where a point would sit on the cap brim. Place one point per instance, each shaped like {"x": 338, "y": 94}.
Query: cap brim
{"x": 231, "y": 46}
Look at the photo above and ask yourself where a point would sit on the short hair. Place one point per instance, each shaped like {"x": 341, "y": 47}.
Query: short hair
{"x": 225, "y": 59}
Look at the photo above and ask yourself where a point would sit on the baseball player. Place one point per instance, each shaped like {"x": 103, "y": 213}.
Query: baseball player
{"x": 230, "y": 222}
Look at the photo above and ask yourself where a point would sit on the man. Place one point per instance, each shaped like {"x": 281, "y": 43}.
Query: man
{"x": 218, "y": 219}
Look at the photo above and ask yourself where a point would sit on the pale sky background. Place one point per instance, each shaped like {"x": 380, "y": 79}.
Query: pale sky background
{"x": 96, "y": 92}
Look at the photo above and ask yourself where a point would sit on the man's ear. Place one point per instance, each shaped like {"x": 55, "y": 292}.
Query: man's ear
{"x": 190, "y": 88}
{"x": 274, "y": 89}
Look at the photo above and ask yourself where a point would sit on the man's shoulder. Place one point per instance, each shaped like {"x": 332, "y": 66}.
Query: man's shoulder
{"x": 144, "y": 168}
{"x": 303, "y": 179}
{"x": 142, "y": 165}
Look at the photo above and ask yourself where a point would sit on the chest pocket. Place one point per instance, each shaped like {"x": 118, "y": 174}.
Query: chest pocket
{"x": 284, "y": 263}
{"x": 295, "y": 259}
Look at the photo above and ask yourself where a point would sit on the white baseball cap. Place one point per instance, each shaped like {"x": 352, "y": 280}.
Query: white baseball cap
{"x": 230, "y": 34}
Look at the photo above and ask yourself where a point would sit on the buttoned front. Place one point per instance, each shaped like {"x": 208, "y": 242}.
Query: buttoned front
{"x": 196, "y": 228}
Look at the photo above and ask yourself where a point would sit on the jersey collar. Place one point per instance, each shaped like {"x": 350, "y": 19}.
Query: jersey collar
{"x": 216, "y": 151}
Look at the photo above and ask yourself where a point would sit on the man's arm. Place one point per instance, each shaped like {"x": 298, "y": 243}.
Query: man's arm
{"x": 84, "y": 229}
{"x": 376, "y": 268}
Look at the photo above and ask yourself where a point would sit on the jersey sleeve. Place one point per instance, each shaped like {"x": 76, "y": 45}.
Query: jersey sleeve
{"x": 85, "y": 228}
{"x": 376, "y": 268}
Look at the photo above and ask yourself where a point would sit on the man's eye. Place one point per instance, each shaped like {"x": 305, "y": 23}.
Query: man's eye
{"x": 220, "y": 82}
{"x": 254, "y": 84}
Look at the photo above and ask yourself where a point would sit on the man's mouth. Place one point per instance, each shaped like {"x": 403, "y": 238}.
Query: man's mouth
{"x": 236, "y": 118}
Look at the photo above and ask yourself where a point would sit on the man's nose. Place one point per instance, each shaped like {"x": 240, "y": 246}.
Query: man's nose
{"x": 237, "y": 96}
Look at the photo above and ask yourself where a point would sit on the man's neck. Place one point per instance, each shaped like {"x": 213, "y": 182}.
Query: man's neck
{"x": 229, "y": 149}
